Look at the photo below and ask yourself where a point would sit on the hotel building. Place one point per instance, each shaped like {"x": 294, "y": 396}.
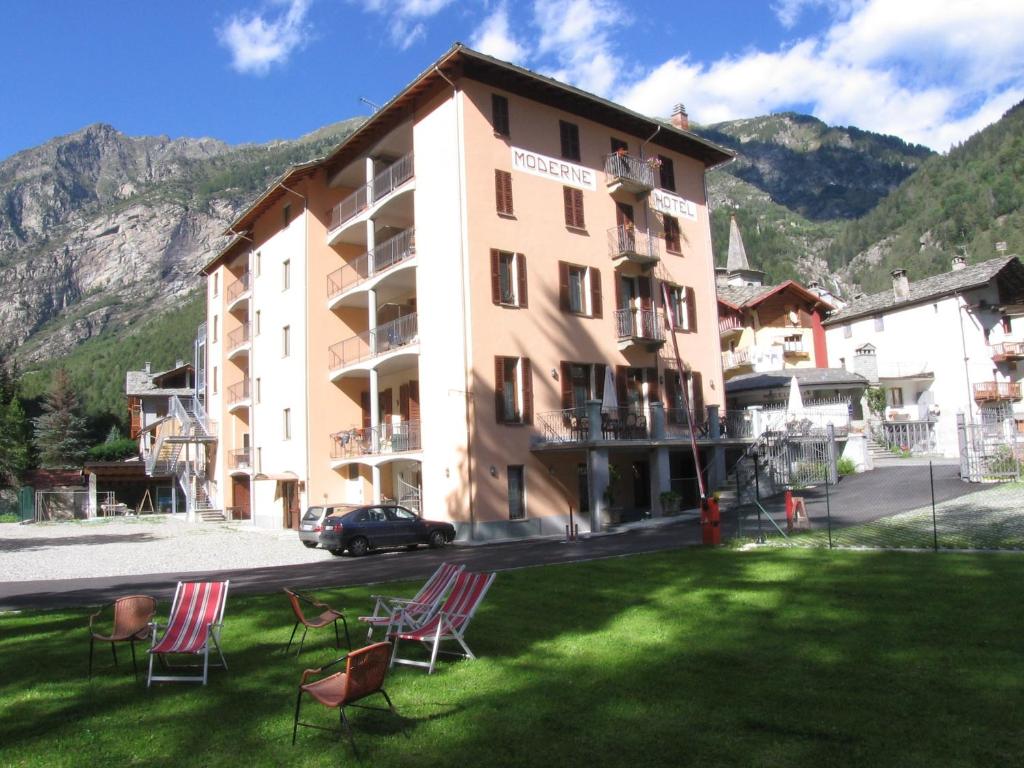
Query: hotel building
{"x": 463, "y": 308}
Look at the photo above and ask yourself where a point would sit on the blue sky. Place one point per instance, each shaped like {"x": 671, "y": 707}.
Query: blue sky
{"x": 254, "y": 70}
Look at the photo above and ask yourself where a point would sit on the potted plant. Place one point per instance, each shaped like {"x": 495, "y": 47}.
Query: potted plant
{"x": 671, "y": 502}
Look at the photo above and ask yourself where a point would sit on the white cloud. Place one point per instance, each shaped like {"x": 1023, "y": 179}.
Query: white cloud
{"x": 257, "y": 42}
{"x": 576, "y": 34}
{"x": 404, "y": 18}
{"x": 494, "y": 38}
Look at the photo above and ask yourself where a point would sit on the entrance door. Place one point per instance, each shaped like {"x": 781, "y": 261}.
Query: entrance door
{"x": 583, "y": 484}
{"x": 290, "y": 503}
{"x": 240, "y": 498}
{"x": 624, "y": 220}
{"x": 642, "y": 484}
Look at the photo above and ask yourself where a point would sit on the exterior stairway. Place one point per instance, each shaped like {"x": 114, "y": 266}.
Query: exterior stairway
{"x": 180, "y": 451}
{"x": 876, "y": 449}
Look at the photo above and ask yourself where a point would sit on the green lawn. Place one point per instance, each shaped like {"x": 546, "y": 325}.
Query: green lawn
{"x": 696, "y": 657}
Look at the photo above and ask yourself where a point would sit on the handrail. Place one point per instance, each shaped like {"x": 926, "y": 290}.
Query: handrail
{"x": 384, "y": 338}
{"x": 365, "y": 195}
{"x": 239, "y": 336}
{"x": 639, "y": 324}
{"x": 238, "y": 287}
{"x": 626, "y": 240}
{"x": 384, "y": 438}
{"x": 238, "y": 392}
{"x": 379, "y": 259}
{"x": 625, "y": 166}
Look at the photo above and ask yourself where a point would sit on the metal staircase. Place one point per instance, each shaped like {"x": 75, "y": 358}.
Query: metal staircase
{"x": 180, "y": 450}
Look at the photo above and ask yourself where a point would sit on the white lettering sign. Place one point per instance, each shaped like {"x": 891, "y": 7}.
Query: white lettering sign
{"x": 673, "y": 205}
{"x": 569, "y": 174}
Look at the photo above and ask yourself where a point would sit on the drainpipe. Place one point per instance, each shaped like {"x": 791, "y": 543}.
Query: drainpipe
{"x": 961, "y": 306}
{"x": 463, "y": 283}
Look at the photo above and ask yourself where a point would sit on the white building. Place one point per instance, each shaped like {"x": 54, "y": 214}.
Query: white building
{"x": 948, "y": 344}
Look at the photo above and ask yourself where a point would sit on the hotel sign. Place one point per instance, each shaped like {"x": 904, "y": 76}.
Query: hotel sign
{"x": 569, "y": 174}
{"x": 673, "y": 205}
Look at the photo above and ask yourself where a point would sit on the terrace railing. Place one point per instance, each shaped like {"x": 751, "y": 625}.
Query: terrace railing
{"x": 383, "y": 257}
{"x": 628, "y": 168}
{"x": 382, "y": 339}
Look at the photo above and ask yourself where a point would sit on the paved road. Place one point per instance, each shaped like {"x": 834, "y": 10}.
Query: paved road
{"x": 346, "y": 571}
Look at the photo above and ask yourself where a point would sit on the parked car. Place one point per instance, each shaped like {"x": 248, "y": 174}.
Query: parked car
{"x": 381, "y": 526}
{"x": 312, "y": 522}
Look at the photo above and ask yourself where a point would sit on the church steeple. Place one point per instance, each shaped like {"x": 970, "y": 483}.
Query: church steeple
{"x": 737, "y": 258}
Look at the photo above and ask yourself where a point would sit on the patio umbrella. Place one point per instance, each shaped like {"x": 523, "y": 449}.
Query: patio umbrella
{"x": 610, "y": 400}
{"x": 795, "y": 404}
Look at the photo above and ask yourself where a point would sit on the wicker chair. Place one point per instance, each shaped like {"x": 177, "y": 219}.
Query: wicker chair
{"x": 326, "y": 618}
{"x": 132, "y": 615}
{"x": 364, "y": 675}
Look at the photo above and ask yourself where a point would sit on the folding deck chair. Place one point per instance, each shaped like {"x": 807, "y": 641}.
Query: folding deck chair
{"x": 449, "y": 623}
{"x": 197, "y": 616}
{"x": 420, "y": 607}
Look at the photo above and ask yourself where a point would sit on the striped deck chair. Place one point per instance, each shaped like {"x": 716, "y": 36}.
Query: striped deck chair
{"x": 420, "y": 606}
{"x": 449, "y": 623}
{"x": 197, "y": 615}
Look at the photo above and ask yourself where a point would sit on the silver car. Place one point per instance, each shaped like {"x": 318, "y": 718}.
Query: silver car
{"x": 312, "y": 522}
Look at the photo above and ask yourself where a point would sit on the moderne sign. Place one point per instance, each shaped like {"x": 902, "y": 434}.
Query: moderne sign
{"x": 673, "y": 205}
{"x": 569, "y": 174}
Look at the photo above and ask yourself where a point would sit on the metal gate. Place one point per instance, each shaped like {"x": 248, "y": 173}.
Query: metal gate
{"x": 990, "y": 451}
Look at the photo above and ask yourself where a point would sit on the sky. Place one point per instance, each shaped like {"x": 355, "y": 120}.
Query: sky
{"x": 929, "y": 71}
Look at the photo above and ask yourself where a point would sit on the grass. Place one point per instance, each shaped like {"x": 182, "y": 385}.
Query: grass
{"x": 699, "y": 657}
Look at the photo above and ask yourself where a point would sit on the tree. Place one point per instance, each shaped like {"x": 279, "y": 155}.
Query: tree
{"x": 61, "y": 429}
{"x": 13, "y": 443}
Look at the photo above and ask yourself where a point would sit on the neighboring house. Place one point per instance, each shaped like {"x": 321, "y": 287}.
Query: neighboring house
{"x": 430, "y": 313}
{"x": 948, "y": 344}
{"x": 149, "y": 394}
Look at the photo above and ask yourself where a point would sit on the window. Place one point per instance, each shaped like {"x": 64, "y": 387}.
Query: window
{"x": 847, "y": 331}
{"x": 508, "y": 278}
{"x": 257, "y": 264}
{"x": 1004, "y": 321}
{"x": 684, "y": 308}
{"x": 619, "y": 144}
{"x": 573, "y": 199}
{"x": 286, "y": 214}
{"x": 880, "y": 323}
{"x": 499, "y": 115}
{"x": 579, "y": 289}
{"x": 213, "y": 329}
{"x": 286, "y": 275}
{"x": 216, "y": 282}
{"x": 516, "y": 492}
{"x": 666, "y": 174}
{"x": 259, "y": 390}
{"x": 513, "y": 390}
{"x": 286, "y": 424}
{"x": 570, "y": 136}
{"x": 673, "y": 243}
{"x": 503, "y": 192}
{"x": 256, "y": 323}
{"x": 286, "y": 341}
{"x": 353, "y": 471}
{"x": 895, "y": 397}
{"x": 215, "y": 379}
{"x": 259, "y": 459}
{"x": 580, "y": 382}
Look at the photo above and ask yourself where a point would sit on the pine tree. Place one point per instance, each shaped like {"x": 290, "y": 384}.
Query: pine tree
{"x": 13, "y": 443}
{"x": 61, "y": 429}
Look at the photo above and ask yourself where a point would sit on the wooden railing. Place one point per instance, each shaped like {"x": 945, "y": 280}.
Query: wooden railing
{"x": 997, "y": 390}
{"x": 1008, "y": 350}
{"x": 729, "y": 324}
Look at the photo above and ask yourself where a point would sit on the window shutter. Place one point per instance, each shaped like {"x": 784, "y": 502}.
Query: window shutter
{"x": 599, "y": 381}
{"x": 645, "y": 292}
{"x": 698, "y": 397}
{"x": 621, "y": 372}
{"x": 670, "y": 391}
{"x": 652, "y": 385}
{"x": 618, "y": 292}
{"x": 567, "y": 202}
{"x": 499, "y": 389}
{"x": 403, "y": 401}
{"x": 577, "y": 208}
{"x": 414, "y": 400}
{"x": 507, "y": 182}
{"x": 495, "y": 276}
{"x": 672, "y": 242}
{"x": 521, "y": 269}
{"x": 563, "y": 286}
{"x": 595, "y": 293}
{"x": 364, "y": 404}
{"x": 667, "y": 174}
{"x": 524, "y": 369}
{"x": 565, "y": 378}
{"x": 503, "y": 192}
{"x": 691, "y": 310}
{"x": 385, "y": 401}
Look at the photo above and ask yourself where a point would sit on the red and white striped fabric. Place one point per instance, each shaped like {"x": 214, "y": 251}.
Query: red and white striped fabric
{"x": 197, "y": 605}
{"x": 425, "y": 601}
{"x": 458, "y": 609}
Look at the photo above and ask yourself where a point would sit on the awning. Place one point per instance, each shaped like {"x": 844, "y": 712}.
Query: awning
{"x": 277, "y": 476}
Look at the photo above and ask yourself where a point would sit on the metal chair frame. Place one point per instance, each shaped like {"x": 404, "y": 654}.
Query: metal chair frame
{"x": 301, "y": 619}
{"x": 212, "y": 635}
{"x": 141, "y": 634}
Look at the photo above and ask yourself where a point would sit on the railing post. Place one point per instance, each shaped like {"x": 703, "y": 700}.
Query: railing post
{"x": 833, "y": 468}
{"x": 717, "y": 469}
{"x": 593, "y": 420}
{"x": 657, "y": 421}
{"x": 961, "y": 437}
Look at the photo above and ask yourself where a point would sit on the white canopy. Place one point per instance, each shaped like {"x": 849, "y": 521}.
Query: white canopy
{"x": 610, "y": 400}
{"x": 795, "y": 404}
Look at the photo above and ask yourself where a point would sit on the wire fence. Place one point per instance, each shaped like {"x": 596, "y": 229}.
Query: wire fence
{"x": 899, "y": 506}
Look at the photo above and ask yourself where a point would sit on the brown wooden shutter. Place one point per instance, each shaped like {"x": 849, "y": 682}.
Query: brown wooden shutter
{"x": 670, "y": 389}
{"x": 507, "y": 181}
{"x": 563, "y": 286}
{"x": 698, "y": 396}
{"x": 623, "y": 215}
{"x": 644, "y": 284}
{"x": 521, "y": 270}
{"x": 567, "y": 202}
{"x": 527, "y": 373}
{"x": 595, "y": 293}
{"x": 495, "y": 276}
{"x": 565, "y": 372}
{"x": 672, "y": 242}
{"x": 414, "y": 400}
{"x": 499, "y": 389}
{"x": 621, "y": 373}
{"x": 385, "y": 403}
{"x": 618, "y": 292}
{"x": 503, "y": 192}
{"x": 403, "y": 401}
{"x": 691, "y": 309}
{"x": 652, "y": 385}
{"x": 599, "y": 381}
{"x": 577, "y": 201}
{"x": 364, "y": 403}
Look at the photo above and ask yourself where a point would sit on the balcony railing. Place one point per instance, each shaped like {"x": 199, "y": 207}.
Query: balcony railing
{"x": 383, "y": 257}
{"x": 633, "y": 244}
{"x": 238, "y": 392}
{"x": 993, "y": 390}
{"x": 370, "y": 441}
{"x": 239, "y": 458}
{"x": 639, "y": 324}
{"x": 572, "y": 425}
{"x": 737, "y": 358}
{"x": 383, "y": 184}
{"x": 793, "y": 348}
{"x": 634, "y": 172}
{"x": 1008, "y": 350}
{"x": 384, "y": 338}
{"x": 238, "y": 287}
{"x": 239, "y": 336}
{"x": 677, "y": 423}
{"x": 729, "y": 324}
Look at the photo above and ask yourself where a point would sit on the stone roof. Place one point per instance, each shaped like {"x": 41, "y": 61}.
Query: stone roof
{"x": 141, "y": 383}
{"x": 742, "y": 294}
{"x": 936, "y": 286}
{"x": 805, "y": 377}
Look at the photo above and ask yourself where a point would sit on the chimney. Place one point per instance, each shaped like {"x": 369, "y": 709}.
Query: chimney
{"x": 149, "y": 367}
{"x": 680, "y": 119}
{"x": 959, "y": 262}
{"x": 900, "y": 284}
{"x": 179, "y": 363}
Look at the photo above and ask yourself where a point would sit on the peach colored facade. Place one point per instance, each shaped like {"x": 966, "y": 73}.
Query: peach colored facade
{"x": 452, "y": 356}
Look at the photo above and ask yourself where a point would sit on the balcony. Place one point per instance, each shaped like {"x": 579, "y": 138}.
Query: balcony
{"x": 239, "y": 460}
{"x": 729, "y": 325}
{"x": 238, "y": 395}
{"x": 377, "y": 261}
{"x": 629, "y": 174}
{"x": 1007, "y": 351}
{"x": 794, "y": 349}
{"x": 380, "y": 341}
{"x": 369, "y": 195}
{"x": 353, "y": 443}
{"x": 238, "y": 292}
{"x": 633, "y": 245}
{"x": 737, "y": 358}
{"x": 639, "y": 327}
{"x": 996, "y": 390}
{"x": 239, "y": 341}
